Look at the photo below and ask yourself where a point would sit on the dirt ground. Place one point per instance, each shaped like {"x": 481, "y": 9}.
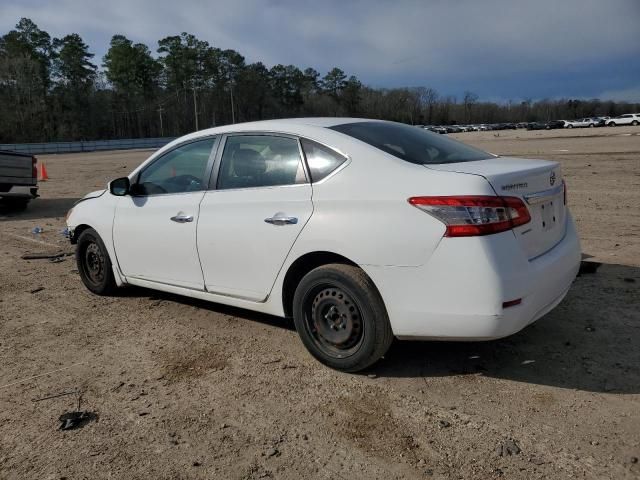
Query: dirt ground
{"x": 185, "y": 389}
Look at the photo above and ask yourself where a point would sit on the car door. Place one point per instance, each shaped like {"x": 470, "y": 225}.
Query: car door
{"x": 154, "y": 229}
{"x": 249, "y": 222}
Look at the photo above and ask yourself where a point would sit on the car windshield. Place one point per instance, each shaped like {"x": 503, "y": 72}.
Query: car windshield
{"x": 411, "y": 144}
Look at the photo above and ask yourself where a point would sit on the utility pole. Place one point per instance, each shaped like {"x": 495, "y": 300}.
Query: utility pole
{"x": 233, "y": 113}
{"x": 161, "y": 129}
{"x": 195, "y": 108}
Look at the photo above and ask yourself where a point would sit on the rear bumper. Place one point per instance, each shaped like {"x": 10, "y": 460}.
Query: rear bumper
{"x": 20, "y": 191}
{"x": 458, "y": 294}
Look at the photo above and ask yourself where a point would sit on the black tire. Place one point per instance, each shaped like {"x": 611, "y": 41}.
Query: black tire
{"x": 341, "y": 317}
{"x": 634, "y": 123}
{"x": 94, "y": 263}
{"x": 591, "y": 125}
{"x": 612, "y": 124}
{"x": 570, "y": 126}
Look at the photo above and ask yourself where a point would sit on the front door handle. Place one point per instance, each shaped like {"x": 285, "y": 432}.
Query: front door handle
{"x": 182, "y": 218}
{"x": 281, "y": 219}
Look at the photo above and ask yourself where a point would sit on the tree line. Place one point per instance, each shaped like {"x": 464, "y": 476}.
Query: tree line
{"x": 51, "y": 89}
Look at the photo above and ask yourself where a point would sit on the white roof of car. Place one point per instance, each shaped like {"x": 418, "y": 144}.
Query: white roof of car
{"x": 285, "y": 125}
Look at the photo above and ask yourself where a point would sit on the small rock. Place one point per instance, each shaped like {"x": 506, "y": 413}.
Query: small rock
{"x": 421, "y": 463}
{"x": 595, "y": 442}
{"x": 36, "y": 290}
{"x": 272, "y": 452}
{"x": 224, "y": 425}
{"x": 444, "y": 424}
{"x": 196, "y": 464}
{"x": 372, "y": 375}
{"x": 508, "y": 447}
{"x": 633, "y": 459}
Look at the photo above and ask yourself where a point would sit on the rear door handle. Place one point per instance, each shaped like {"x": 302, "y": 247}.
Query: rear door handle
{"x": 281, "y": 219}
{"x": 182, "y": 218}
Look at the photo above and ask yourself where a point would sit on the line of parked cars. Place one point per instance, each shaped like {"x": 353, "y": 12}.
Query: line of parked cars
{"x": 587, "y": 122}
{"x": 469, "y": 128}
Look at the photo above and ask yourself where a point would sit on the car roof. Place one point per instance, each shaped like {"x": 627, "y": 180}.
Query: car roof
{"x": 293, "y": 125}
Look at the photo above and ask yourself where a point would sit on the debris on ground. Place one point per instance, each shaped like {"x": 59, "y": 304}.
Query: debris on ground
{"x": 444, "y": 424}
{"x": 46, "y": 256}
{"x": 36, "y": 290}
{"x": 74, "y": 420}
{"x": 508, "y": 447}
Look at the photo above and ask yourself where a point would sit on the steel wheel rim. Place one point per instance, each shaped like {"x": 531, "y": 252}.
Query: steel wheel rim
{"x": 334, "y": 321}
{"x": 94, "y": 263}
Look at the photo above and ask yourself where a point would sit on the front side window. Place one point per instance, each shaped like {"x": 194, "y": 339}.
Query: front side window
{"x": 181, "y": 170}
{"x": 414, "y": 145}
{"x": 251, "y": 161}
{"x": 320, "y": 159}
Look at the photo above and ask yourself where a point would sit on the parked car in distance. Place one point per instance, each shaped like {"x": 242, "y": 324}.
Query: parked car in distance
{"x": 536, "y": 126}
{"x": 626, "y": 119}
{"x": 18, "y": 179}
{"x": 553, "y": 124}
{"x": 361, "y": 230}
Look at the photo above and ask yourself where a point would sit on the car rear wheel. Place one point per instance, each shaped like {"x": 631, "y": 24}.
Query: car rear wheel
{"x": 634, "y": 123}
{"x": 570, "y": 126}
{"x": 612, "y": 124}
{"x": 94, "y": 263}
{"x": 341, "y": 317}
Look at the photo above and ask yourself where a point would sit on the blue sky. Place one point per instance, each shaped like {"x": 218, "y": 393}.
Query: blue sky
{"x": 499, "y": 49}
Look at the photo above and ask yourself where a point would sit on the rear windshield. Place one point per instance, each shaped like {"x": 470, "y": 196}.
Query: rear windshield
{"x": 413, "y": 144}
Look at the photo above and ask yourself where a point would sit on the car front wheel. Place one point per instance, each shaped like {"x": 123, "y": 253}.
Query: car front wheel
{"x": 94, "y": 263}
{"x": 341, "y": 317}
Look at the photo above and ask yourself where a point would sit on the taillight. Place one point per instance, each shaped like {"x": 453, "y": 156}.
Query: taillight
{"x": 34, "y": 167}
{"x": 472, "y": 215}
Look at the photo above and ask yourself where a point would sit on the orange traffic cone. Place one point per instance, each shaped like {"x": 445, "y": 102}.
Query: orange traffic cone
{"x": 43, "y": 177}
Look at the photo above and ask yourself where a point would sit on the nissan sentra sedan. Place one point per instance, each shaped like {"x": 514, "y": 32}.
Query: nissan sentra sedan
{"x": 361, "y": 230}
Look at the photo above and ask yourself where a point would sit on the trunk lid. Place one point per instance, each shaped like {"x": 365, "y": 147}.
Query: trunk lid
{"x": 538, "y": 183}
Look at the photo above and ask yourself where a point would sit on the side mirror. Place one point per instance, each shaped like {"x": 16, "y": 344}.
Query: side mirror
{"x": 119, "y": 187}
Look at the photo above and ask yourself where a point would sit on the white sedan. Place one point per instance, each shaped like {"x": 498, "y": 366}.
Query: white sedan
{"x": 361, "y": 230}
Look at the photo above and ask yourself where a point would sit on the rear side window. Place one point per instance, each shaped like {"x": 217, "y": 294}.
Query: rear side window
{"x": 320, "y": 159}
{"x": 251, "y": 161}
{"x": 414, "y": 145}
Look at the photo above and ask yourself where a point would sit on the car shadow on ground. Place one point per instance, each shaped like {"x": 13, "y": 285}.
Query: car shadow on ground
{"x": 40, "y": 208}
{"x": 590, "y": 342}
{"x": 240, "y": 313}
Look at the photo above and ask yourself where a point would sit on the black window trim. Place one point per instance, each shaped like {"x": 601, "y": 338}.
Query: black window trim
{"x": 207, "y": 171}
